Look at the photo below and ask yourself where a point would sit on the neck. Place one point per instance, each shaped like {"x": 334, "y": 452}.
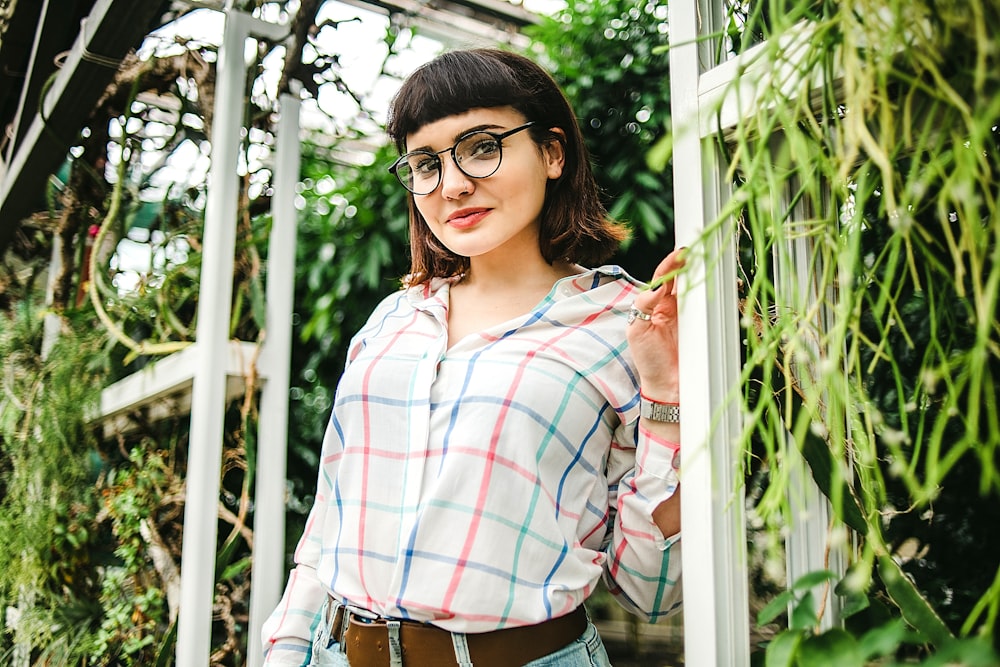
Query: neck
{"x": 512, "y": 277}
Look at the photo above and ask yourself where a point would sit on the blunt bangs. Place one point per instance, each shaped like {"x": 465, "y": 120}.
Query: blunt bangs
{"x": 457, "y": 82}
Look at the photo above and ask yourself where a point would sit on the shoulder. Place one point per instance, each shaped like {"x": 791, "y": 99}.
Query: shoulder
{"x": 605, "y": 283}
{"x": 397, "y": 308}
{"x": 416, "y": 296}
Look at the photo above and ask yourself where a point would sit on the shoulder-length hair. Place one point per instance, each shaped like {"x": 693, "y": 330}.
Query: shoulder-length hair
{"x": 574, "y": 224}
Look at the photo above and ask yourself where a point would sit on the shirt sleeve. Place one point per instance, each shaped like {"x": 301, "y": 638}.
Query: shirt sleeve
{"x": 287, "y": 633}
{"x": 643, "y": 567}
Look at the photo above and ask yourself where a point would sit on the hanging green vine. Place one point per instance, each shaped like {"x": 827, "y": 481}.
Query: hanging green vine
{"x": 873, "y": 145}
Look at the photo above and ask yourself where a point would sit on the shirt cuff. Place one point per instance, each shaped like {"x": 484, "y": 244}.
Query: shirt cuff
{"x": 288, "y": 652}
{"x": 655, "y": 455}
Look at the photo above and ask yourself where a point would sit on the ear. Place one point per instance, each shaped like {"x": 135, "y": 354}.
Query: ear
{"x": 554, "y": 153}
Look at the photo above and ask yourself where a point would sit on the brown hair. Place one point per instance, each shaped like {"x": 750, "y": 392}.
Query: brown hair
{"x": 574, "y": 225}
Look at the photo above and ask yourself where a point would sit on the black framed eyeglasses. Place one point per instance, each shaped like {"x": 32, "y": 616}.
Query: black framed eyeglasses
{"x": 477, "y": 154}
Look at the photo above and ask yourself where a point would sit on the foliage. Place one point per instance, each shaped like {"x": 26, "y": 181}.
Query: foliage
{"x": 134, "y": 603}
{"x": 47, "y": 506}
{"x": 894, "y": 186}
{"x": 91, "y": 520}
{"x": 869, "y": 160}
{"x": 89, "y": 531}
{"x": 609, "y": 59}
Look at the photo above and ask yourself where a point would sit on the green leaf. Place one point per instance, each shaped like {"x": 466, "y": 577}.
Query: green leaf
{"x": 652, "y": 224}
{"x": 237, "y": 568}
{"x": 775, "y": 607}
{"x": 817, "y": 454}
{"x": 658, "y": 157}
{"x": 804, "y": 613}
{"x": 853, "y": 589}
{"x": 620, "y": 206}
{"x": 833, "y": 648}
{"x": 883, "y": 640}
{"x": 650, "y": 181}
{"x": 782, "y": 649}
{"x": 812, "y": 579}
{"x": 854, "y": 603}
{"x": 165, "y": 653}
{"x": 914, "y": 607}
{"x": 968, "y": 652}
{"x": 257, "y": 306}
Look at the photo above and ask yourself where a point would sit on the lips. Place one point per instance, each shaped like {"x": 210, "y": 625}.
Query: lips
{"x": 467, "y": 217}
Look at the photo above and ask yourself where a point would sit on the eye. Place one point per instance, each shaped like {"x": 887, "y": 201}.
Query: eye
{"x": 424, "y": 165}
{"x": 480, "y": 147}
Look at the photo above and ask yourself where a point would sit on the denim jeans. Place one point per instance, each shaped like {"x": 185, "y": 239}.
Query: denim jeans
{"x": 586, "y": 651}
{"x": 326, "y": 649}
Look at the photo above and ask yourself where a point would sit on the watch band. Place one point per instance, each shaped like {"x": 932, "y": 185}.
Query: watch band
{"x": 659, "y": 412}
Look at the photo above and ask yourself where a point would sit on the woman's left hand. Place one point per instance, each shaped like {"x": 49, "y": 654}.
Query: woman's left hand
{"x": 653, "y": 340}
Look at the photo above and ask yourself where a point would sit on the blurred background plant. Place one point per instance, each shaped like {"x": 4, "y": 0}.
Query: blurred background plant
{"x": 611, "y": 61}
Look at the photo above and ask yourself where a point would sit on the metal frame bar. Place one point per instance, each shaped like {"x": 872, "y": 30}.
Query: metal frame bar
{"x": 716, "y": 601}
{"x": 111, "y": 29}
{"x": 268, "y": 570}
{"x": 208, "y": 390}
{"x": 808, "y": 546}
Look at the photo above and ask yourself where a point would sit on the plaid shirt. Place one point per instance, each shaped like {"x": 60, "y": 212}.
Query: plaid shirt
{"x": 490, "y": 484}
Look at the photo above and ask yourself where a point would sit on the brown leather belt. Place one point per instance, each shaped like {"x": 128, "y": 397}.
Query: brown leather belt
{"x": 424, "y": 645}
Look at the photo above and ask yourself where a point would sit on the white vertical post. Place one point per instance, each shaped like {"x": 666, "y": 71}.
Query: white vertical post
{"x": 269, "y": 496}
{"x": 716, "y": 609}
{"x": 208, "y": 393}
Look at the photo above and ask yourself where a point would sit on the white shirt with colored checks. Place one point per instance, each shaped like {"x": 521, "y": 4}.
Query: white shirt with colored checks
{"x": 490, "y": 484}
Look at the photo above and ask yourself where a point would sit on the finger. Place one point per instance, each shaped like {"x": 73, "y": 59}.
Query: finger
{"x": 653, "y": 298}
{"x": 667, "y": 269}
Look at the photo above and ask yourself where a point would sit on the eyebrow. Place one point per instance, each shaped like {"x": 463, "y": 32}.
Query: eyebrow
{"x": 454, "y": 140}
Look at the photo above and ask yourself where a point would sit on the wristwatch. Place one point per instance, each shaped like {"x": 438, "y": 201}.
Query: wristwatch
{"x": 659, "y": 412}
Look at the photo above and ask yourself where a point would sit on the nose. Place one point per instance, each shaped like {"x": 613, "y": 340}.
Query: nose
{"x": 454, "y": 183}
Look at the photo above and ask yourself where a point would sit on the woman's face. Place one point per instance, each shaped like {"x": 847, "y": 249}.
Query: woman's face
{"x": 497, "y": 216}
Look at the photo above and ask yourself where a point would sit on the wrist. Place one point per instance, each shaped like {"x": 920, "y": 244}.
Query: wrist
{"x": 661, "y": 393}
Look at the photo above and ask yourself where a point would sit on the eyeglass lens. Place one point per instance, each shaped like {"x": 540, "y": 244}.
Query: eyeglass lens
{"x": 477, "y": 155}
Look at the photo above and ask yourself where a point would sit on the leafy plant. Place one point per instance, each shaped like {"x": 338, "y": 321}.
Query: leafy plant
{"x": 873, "y": 144}
{"x": 91, "y": 522}
{"x": 48, "y": 464}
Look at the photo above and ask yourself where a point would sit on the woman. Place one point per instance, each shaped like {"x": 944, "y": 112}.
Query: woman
{"x": 486, "y": 462}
